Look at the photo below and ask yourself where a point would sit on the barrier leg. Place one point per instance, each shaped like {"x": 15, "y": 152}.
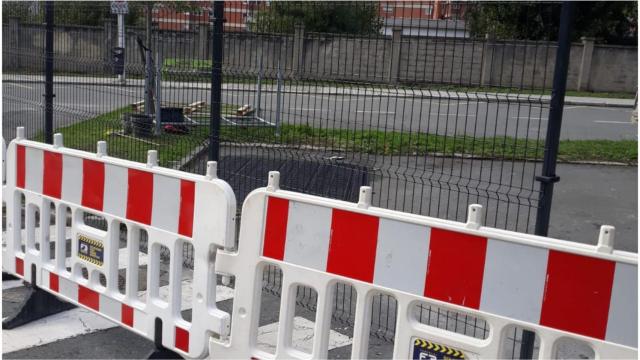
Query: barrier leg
{"x": 160, "y": 352}
{"x": 163, "y": 353}
{"x": 37, "y": 305}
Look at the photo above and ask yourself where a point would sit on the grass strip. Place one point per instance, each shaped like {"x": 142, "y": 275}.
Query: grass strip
{"x": 173, "y": 147}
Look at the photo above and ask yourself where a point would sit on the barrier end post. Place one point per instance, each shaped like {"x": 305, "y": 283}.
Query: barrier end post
{"x": 102, "y": 148}
{"x": 152, "y": 158}
{"x": 475, "y": 216}
{"x": 57, "y": 140}
{"x": 273, "y": 183}
{"x": 212, "y": 170}
{"x": 20, "y": 133}
{"x": 605, "y": 239}
{"x": 364, "y": 201}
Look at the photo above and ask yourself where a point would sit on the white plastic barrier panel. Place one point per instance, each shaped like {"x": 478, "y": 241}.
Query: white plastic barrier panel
{"x": 557, "y": 289}
{"x": 173, "y": 207}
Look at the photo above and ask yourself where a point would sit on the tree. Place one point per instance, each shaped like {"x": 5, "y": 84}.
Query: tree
{"x": 609, "y": 22}
{"x": 89, "y": 13}
{"x": 326, "y": 17}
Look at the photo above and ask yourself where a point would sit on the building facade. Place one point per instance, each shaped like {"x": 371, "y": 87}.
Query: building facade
{"x": 422, "y": 10}
{"x": 238, "y": 14}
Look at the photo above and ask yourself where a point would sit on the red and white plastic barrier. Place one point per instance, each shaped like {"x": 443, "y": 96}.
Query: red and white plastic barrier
{"x": 173, "y": 207}
{"x": 556, "y": 288}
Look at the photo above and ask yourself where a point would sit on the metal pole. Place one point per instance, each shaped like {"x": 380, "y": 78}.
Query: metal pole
{"x": 148, "y": 70}
{"x": 216, "y": 81}
{"x": 552, "y": 141}
{"x": 158, "y": 102}
{"x": 259, "y": 88}
{"x": 278, "y": 99}
{"x": 548, "y": 177}
{"x": 48, "y": 75}
{"x": 121, "y": 43}
{"x": 634, "y": 113}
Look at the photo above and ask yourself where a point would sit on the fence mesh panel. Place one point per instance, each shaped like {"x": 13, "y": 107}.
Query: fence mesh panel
{"x": 399, "y": 96}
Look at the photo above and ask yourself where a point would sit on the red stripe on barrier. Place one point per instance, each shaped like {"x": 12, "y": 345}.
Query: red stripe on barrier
{"x": 20, "y": 166}
{"x": 577, "y": 294}
{"x": 92, "y": 184}
{"x": 275, "y": 231}
{"x": 89, "y": 298}
{"x": 187, "y": 197}
{"x": 54, "y": 282}
{"x": 455, "y": 267}
{"x": 19, "y": 266}
{"x": 140, "y": 196}
{"x": 182, "y": 339}
{"x": 127, "y": 315}
{"x": 52, "y": 175}
{"x": 352, "y": 247}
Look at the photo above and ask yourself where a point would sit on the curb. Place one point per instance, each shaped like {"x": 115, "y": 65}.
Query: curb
{"x": 598, "y": 104}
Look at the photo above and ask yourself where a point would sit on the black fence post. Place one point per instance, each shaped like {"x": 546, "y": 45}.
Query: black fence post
{"x": 552, "y": 141}
{"x": 556, "y": 105}
{"x": 48, "y": 74}
{"x": 216, "y": 81}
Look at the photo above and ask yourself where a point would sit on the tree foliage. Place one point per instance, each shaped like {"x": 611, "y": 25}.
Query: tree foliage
{"x": 327, "y": 17}
{"x": 608, "y": 21}
{"x": 89, "y": 13}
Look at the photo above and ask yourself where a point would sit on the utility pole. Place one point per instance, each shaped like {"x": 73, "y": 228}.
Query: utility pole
{"x": 48, "y": 74}
{"x": 148, "y": 24}
{"x": 121, "y": 43}
{"x": 216, "y": 81}
{"x": 552, "y": 142}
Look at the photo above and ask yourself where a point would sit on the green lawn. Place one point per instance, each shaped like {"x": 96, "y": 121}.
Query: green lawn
{"x": 171, "y": 147}
{"x": 399, "y": 143}
{"x": 84, "y": 136}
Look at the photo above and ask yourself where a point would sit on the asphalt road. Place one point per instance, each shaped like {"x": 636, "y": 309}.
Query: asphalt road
{"x": 22, "y": 105}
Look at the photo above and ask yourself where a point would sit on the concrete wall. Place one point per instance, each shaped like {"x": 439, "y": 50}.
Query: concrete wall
{"x": 243, "y": 53}
{"x": 395, "y": 59}
{"x": 614, "y": 68}
{"x": 449, "y": 61}
{"x": 345, "y": 58}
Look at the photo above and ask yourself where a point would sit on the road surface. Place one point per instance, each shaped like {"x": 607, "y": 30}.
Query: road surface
{"x": 23, "y": 104}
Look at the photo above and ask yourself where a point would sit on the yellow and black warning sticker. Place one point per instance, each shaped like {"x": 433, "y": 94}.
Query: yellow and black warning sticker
{"x": 427, "y": 350}
{"x": 90, "y": 250}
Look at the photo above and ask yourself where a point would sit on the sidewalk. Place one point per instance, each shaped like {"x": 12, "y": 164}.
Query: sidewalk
{"x": 337, "y": 90}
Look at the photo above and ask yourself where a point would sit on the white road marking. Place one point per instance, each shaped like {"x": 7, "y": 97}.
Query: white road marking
{"x": 56, "y": 327}
{"x": 10, "y": 284}
{"x": 613, "y": 122}
{"x": 530, "y": 117}
{"x": 453, "y": 114}
{"x": 80, "y": 321}
{"x": 302, "y": 336}
{"x": 19, "y": 85}
{"x": 324, "y": 99}
{"x": 309, "y": 109}
{"x": 375, "y": 112}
